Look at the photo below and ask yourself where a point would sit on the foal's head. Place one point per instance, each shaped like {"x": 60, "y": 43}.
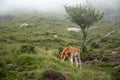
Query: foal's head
{"x": 62, "y": 56}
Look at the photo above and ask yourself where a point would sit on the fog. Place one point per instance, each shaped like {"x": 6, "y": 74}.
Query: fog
{"x": 36, "y": 5}
{"x": 106, "y": 4}
{"x": 52, "y": 5}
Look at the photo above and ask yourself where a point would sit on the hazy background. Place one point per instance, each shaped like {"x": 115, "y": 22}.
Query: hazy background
{"x": 7, "y": 6}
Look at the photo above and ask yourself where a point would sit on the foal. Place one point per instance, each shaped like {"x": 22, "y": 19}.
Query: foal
{"x": 73, "y": 54}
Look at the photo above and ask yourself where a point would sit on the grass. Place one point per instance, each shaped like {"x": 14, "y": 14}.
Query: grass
{"x": 44, "y": 58}
{"x": 31, "y": 66}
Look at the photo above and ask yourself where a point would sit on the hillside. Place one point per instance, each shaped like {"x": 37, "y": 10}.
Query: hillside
{"x": 30, "y": 46}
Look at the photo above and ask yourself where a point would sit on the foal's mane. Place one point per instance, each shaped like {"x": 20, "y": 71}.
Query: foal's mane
{"x": 64, "y": 50}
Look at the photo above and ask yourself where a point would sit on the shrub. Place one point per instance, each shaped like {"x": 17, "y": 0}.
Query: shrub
{"x": 95, "y": 45}
{"x": 26, "y": 62}
{"x": 116, "y": 73}
{"x": 114, "y": 44}
{"x": 87, "y": 56}
{"x": 85, "y": 49}
{"x": 105, "y": 59}
{"x": 104, "y": 39}
{"x": 3, "y": 72}
{"x": 27, "y": 49}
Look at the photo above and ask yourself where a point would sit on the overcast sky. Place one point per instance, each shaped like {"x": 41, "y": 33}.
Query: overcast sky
{"x": 51, "y": 5}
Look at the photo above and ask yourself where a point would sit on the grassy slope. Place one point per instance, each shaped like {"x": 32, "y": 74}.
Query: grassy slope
{"x": 28, "y": 66}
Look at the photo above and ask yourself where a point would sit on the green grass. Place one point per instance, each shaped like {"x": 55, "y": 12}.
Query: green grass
{"x": 31, "y": 66}
{"x": 17, "y": 65}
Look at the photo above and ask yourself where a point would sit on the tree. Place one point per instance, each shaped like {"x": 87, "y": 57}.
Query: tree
{"x": 84, "y": 16}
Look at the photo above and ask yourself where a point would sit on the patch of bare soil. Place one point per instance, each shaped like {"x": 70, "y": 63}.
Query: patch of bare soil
{"x": 53, "y": 75}
{"x": 114, "y": 57}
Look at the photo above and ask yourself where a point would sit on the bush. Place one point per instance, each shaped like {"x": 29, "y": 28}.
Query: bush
{"x": 26, "y": 62}
{"x": 114, "y": 44}
{"x": 95, "y": 45}
{"x": 27, "y": 49}
{"x": 85, "y": 49}
{"x": 104, "y": 39}
{"x": 3, "y": 71}
{"x": 116, "y": 73}
{"x": 105, "y": 59}
{"x": 87, "y": 56}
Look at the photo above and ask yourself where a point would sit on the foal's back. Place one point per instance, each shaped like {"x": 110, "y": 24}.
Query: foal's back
{"x": 73, "y": 50}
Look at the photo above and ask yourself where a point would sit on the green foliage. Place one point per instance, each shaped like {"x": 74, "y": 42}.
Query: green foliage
{"x": 116, "y": 73}
{"x": 105, "y": 59}
{"x": 105, "y": 39}
{"x": 95, "y": 45}
{"x": 26, "y": 62}
{"x": 39, "y": 39}
{"x": 60, "y": 49}
{"x": 83, "y": 15}
{"x": 27, "y": 49}
{"x": 3, "y": 71}
{"x": 87, "y": 56}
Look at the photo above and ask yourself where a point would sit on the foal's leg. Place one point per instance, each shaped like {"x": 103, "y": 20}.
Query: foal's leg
{"x": 80, "y": 63}
{"x": 71, "y": 59}
{"x": 76, "y": 61}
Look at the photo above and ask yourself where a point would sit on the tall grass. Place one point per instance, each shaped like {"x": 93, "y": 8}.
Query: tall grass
{"x": 28, "y": 53}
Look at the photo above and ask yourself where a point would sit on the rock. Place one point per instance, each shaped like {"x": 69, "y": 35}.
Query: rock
{"x": 114, "y": 52}
{"x": 117, "y": 66}
{"x": 74, "y": 29}
{"x": 55, "y": 36}
{"x": 24, "y": 25}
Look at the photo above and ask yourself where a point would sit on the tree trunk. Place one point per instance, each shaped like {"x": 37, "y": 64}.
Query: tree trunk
{"x": 83, "y": 46}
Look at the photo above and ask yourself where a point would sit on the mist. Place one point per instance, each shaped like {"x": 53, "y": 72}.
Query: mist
{"x": 105, "y": 4}
{"x": 36, "y": 5}
{"x": 7, "y": 6}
